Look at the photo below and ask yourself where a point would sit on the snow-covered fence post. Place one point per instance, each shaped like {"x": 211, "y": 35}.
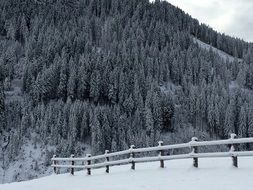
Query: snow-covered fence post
{"x": 54, "y": 163}
{"x": 161, "y": 153}
{"x": 106, "y": 160}
{"x": 72, "y": 163}
{"x": 132, "y": 157}
{"x": 88, "y": 163}
{"x": 195, "y": 150}
{"x": 232, "y": 149}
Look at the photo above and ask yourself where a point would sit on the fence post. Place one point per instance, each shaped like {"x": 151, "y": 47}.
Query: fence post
{"x": 88, "y": 163}
{"x": 132, "y": 156}
{"x": 55, "y": 163}
{"x": 195, "y": 150}
{"x": 233, "y": 149}
{"x": 72, "y": 163}
{"x": 107, "y": 160}
{"x": 161, "y": 153}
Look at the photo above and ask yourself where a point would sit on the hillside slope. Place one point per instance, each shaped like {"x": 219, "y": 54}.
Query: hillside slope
{"x": 215, "y": 174}
{"x": 109, "y": 74}
{"x": 221, "y": 53}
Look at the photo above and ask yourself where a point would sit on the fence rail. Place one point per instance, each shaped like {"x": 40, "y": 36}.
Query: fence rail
{"x": 193, "y": 145}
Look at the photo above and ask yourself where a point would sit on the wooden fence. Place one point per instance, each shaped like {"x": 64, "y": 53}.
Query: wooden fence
{"x": 89, "y": 162}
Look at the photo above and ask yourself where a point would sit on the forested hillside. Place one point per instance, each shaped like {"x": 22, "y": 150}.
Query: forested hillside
{"x": 111, "y": 73}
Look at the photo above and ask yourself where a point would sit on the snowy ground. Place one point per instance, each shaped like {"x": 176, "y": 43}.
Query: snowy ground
{"x": 29, "y": 164}
{"x": 32, "y": 162}
{"x": 222, "y": 54}
{"x": 215, "y": 173}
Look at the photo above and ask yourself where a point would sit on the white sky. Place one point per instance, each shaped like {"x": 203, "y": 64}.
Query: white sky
{"x": 233, "y": 17}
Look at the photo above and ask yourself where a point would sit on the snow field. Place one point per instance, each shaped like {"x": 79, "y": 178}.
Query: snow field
{"x": 212, "y": 174}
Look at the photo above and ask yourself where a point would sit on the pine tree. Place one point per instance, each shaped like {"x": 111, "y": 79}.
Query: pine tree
{"x": 95, "y": 86}
{"x": 62, "y": 88}
{"x": 97, "y": 140}
{"x": 242, "y": 122}
{"x": 149, "y": 125}
{"x": 83, "y": 82}
{"x": 250, "y": 120}
{"x": 167, "y": 113}
{"x": 2, "y": 108}
{"x": 229, "y": 120}
{"x": 241, "y": 77}
{"x": 72, "y": 81}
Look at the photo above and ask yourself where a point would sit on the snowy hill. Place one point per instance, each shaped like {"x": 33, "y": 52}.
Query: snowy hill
{"x": 215, "y": 173}
{"x": 85, "y": 76}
